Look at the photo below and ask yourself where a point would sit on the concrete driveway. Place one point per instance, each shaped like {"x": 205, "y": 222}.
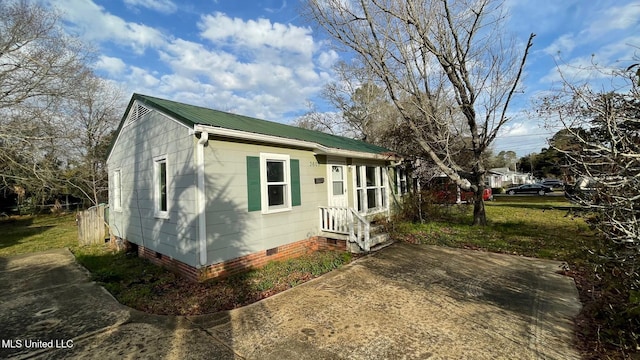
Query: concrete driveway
{"x": 404, "y": 302}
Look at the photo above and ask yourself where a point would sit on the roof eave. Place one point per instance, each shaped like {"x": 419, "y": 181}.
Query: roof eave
{"x": 317, "y": 148}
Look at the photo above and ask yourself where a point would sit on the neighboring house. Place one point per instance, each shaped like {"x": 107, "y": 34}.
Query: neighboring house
{"x": 500, "y": 177}
{"x": 209, "y": 193}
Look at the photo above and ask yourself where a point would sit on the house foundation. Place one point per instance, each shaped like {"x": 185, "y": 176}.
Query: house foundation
{"x": 243, "y": 263}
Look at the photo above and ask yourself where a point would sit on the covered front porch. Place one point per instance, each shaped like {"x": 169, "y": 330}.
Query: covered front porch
{"x": 359, "y": 194}
{"x": 343, "y": 223}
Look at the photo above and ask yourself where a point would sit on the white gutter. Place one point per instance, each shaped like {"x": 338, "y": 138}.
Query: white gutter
{"x": 318, "y": 149}
{"x": 201, "y": 198}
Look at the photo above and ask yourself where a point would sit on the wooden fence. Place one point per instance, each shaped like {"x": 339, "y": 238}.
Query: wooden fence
{"x": 91, "y": 225}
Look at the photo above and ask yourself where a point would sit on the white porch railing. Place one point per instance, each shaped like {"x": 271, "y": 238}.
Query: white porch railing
{"x": 342, "y": 220}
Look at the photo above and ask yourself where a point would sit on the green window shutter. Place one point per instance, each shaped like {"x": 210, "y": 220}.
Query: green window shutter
{"x": 253, "y": 183}
{"x": 295, "y": 182}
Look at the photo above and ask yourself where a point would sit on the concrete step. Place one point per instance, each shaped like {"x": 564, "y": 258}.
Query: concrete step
{"x": 381, "y": 246}
{"x": 376, "y": 229}
{"x": 378, "y": 241}
{"x": 378, "y": 238}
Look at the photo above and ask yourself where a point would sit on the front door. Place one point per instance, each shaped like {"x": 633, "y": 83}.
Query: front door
{"x": 338, "y": 186}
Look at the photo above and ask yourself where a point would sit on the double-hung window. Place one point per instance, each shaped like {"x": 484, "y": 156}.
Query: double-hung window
{"x": 275, "y": 179}
{"x": 371, "y": 192}
{"x": 160, "y": 187}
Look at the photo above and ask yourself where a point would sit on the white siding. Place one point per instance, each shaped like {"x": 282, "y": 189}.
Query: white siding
{"x": 234, "y": 231}
{"x": 138, "y": 143}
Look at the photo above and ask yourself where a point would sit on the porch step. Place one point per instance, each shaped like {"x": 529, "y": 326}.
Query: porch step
{"x": 378, "y": 241}
{"x": 376, "y": 229}
{"x": 378, "y": 238}
{"x": 381, "y": 245}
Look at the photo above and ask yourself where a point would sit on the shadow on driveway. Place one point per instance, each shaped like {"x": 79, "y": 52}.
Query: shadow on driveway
{"x": 406, "y": 301}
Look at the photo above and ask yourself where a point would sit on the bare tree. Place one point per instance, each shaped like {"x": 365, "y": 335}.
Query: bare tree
{"x": 41, "y": 69}
{"x": 313, "y": 119}
{"x": 365, "y": 107}
{"x": 443, "y": 63}
{"x": 601, "y": 145}
{"x": 93, "y": 115}
{"x": 38, "y": 61}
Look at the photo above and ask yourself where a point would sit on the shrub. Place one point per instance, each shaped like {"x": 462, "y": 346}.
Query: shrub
{"x": 425, "y": 206}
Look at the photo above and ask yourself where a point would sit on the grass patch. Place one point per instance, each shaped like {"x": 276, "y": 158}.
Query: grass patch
{"x": 28, "y": 234}
{"x": 138, "y": 283}
{"x": 531, "y": 226}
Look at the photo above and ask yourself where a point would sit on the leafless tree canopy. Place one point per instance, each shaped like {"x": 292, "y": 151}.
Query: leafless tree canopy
{"x": 445, "y": 64}
{"x": 602, "y": 148}
{"x": 38, "y": 61}
{"x": 54, "y": 112}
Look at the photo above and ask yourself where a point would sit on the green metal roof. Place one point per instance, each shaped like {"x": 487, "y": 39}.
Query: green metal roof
{"x": 191, "y": 115}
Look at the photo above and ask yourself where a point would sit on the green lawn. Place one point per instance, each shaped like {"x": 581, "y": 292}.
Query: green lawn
{"x": 542, "y": 227}
{"x": 28, "y": 234}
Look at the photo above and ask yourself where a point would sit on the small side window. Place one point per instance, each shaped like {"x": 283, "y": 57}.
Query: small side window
{"x": 117, "y": 190}
{"x": 161, "y": 193}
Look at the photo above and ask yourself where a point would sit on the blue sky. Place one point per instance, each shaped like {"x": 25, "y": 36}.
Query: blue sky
{"x": 260, "y": 58}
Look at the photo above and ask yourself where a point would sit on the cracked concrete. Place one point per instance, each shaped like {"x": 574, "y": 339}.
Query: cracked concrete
{"x": 406, "y": 301}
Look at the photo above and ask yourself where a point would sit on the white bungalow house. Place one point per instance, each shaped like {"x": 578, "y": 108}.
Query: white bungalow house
{"x": 500, "y": 177}
{"x": 209, "y": 193}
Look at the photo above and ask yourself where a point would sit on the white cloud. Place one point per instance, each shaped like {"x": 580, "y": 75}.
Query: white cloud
{"x": 258, "y": 35}
{"x": 564, "y": 45}
{"x": 514, "y": 129}
{"x": 624, "y": 49}
{"x": 274, "y": 10}
{"x": 163, "y": 6}
{"x": 190, "y": 58}
{"x": 253, "y": 67}
{"x": 579, "y": 69}
{"x": 141, "y": 78}
{"x": 93, "y": 24}
{"x": 326, "y": 59}
{"x": 111, "y": 65}
{"x": 523, "y": 136}
{"x": 616, "y": 18}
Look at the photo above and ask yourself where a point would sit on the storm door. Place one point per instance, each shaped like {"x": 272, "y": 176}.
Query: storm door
{"x": 338, "y": 186}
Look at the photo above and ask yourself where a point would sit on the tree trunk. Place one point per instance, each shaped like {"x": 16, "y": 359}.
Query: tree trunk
{"x": 479, "y": 214}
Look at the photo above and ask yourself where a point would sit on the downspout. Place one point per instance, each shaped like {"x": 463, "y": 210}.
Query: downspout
{"x": 201, "y": 198}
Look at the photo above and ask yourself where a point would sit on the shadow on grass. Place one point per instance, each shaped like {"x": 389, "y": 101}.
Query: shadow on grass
{"x": 532, "y": 202}
{"x": 14, "y": 230}
{"x": 558, "y": 238}
{"x": 551, "y": 205}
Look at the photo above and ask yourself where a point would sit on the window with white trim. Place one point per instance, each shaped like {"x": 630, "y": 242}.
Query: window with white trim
{"x": 117, "y": 190}
{"x": 275, "y": 180}
{"x": 371, "y": 194}
{"x": 160, "y": 186}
